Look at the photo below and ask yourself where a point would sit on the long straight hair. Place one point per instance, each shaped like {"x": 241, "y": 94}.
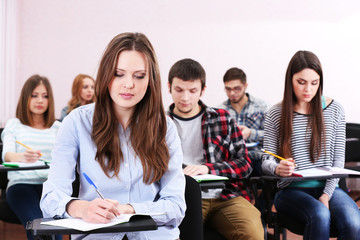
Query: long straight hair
{"x": 76, "y": 89}
{"x": 300, "y": 61}
{"x": 147, "y": 125}
{"x": 23, "y": 112}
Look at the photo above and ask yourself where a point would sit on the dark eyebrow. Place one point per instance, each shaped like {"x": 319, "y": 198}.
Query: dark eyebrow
{"x": 137, "y": 71}
{"x": 308, "y": 80}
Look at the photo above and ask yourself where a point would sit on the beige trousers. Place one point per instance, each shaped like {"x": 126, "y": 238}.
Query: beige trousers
{"x": 236, "y": 218}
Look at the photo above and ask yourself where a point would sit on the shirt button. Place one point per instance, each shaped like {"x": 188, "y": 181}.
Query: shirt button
{"x": 126, "y": 165}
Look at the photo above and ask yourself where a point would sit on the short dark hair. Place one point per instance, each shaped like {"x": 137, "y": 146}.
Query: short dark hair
{"x": 235, "y": 73}
{"x": 187, "y": 70}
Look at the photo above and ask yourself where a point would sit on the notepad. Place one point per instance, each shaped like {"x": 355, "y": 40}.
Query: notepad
{"x": 23, "y": 164}
{"x": 323, "y": 171}
{"x": 81, "y": 225}
{"x": 250, "y": 145}
{"x": 209, "y": 177}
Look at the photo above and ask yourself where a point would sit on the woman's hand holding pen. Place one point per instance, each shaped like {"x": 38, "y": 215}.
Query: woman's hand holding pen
{"x": 98, "y": 210}
{"x": 95, "y": 211}
{"x": 285, "y": 168}
{"x": 31, "y": 155}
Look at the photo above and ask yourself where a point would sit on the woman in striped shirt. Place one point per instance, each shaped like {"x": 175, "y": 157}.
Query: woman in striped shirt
{"x": 309, "y": 129}
{"x": 34, "y": 126}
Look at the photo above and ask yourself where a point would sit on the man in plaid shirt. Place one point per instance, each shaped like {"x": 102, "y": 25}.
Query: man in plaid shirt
{"x": 212, "y": 143}
{"x": 249, "y": 113}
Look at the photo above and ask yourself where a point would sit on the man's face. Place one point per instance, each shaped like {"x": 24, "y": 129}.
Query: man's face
{"x": 186, "y": 95}
{"x": 235, "y": 90}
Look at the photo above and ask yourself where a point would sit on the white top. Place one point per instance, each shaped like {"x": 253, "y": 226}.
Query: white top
{"x": 74, "y": 146}
{"x": 37, "y": 139}
{"x": 334, "y": 155}
{"x": 189, "y": 130}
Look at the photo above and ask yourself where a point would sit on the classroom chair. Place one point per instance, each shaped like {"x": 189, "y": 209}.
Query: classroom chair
{"x": 6, "y": 214}
{"x": 270, "y": 218}
{"x": 191, "y": 226}
{"x": 352, "y": 153}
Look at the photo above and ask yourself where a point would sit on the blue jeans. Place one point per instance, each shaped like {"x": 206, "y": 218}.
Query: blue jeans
{"x": 24, "y": 200}
{"x": 302, "y": 205}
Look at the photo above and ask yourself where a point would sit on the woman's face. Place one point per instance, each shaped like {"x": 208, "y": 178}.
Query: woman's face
{"x": 87, "y": 91}
{"x": 130, "y": 82}
{"x": 39, "y": 100}
{"x": 305, "y": 84}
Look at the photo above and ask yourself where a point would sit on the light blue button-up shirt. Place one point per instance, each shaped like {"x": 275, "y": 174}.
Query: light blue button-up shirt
{"x": 74, "y": 140}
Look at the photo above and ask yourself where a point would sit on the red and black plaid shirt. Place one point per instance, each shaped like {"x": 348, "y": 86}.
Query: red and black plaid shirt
{"x": 225, "y": 152}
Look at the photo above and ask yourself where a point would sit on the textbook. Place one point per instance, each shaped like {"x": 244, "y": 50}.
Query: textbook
{"x": 23, "y": 164}
{"x": 209, "y": 177}
{"x": 323, "y": 171}
{"x": 81, "y": 225}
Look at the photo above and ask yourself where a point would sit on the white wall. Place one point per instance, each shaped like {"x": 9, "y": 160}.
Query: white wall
{"x": 62, "y": 38}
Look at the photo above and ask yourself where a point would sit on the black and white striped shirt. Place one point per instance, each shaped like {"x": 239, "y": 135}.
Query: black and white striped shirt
{"x": 332, "y": 156}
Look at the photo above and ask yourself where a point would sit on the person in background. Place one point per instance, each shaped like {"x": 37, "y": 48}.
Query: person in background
{"x": 212, "y": 144}
{"x": 36, "y": 127}
{"x": 82, "y": 92}
{"x": 249, "y": 113}
{"x": 309, "y": 129}
{"x": 125, "y": 143}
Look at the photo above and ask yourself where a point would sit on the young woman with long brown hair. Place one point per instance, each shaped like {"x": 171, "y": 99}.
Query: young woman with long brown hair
{"x": 82, "y": 93}
{"x": 309, "y": 129}
{"x": 124, "y": 143}
{"x": 34, "y": 126}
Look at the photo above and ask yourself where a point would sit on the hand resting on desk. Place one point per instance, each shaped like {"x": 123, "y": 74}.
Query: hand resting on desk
{"x": 98, "y": 210}
{"x": 193, "y": 170}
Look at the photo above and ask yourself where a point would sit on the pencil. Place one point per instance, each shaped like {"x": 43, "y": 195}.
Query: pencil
{"x": 25, "y": 146}
{"x": 272, "y": 154}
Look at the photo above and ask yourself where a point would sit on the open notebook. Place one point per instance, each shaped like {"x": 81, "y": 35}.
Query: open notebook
{"x": 209, "y": 177}
{"x": 323, "y": 171}
{"x": 81, "y": 225}
{"x": 23, "y": 164}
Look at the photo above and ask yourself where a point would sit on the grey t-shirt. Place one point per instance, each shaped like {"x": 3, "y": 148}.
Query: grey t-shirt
{"x": 189, "y": 130}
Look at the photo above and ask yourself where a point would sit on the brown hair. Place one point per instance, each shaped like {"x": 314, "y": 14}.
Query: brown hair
{"x": 234, "y": 74}
{"x": 147, "y": 125}
{"x": 23, "y": 111}
{"x": 187, "y": 70}
{"x": 300, "y": 61}
{"x": 77, "y": 86}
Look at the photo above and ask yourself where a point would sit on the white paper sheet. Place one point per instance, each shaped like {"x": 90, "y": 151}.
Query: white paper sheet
{"x": 79, "y": 224}
{"x": 209, "y": 177}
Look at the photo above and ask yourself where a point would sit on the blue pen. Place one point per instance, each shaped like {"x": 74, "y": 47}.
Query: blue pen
{"x": 93, "y": 184}
{"x": 95, "y": 187}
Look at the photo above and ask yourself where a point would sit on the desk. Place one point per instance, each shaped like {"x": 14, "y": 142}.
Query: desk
{"x": 269, "y": 188}
{"x": 278, "y": 178}
{"x": 136, "y": 223}
{"x": 211, "y": 185}
{"x": 6, "y": 214}
{"x": 8, "y": 169}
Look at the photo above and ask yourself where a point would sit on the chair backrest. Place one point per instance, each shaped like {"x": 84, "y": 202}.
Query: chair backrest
{"x": 6, "y": 214}
{"x": 352, "y": 153}
{"x": 192, "y": 227}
